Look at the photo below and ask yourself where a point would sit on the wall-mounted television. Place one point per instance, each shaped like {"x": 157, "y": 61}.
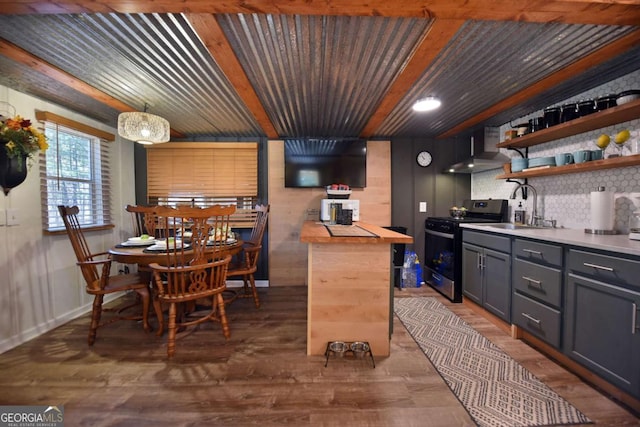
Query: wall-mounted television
{"x": 318, "y": 162}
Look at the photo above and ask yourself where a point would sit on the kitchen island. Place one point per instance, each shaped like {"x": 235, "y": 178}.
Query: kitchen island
{"x": 350, "y": 284}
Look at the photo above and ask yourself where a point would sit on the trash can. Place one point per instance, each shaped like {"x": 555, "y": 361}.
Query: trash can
{"x": 398, "y": 256}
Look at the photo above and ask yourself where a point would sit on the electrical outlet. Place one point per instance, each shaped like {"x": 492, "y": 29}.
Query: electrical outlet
{"x": 12, "y": 217}
{"x": 423, "y": 207}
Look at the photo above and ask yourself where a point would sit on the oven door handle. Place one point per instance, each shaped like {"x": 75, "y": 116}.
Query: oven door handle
{"x": 439, "y": 234}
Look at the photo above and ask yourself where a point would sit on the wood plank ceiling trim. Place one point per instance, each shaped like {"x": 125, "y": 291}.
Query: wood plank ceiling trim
{"x": 23, "y": 57}
{"x": 609, "y": 12}
{"x": 597, "y": 57}
{"x": 435, "y": 39}
{"x": 208, "y": 29}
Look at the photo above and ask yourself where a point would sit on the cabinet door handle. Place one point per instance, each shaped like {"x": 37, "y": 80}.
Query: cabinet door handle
{"x": 480, "y": 261}
{"x": 634, "y": 318}
{"x": 530, "y": 317}
{"x": 599, "y": 267}
{"x": 532, "y": 252}
{"x": 531, "y": 281}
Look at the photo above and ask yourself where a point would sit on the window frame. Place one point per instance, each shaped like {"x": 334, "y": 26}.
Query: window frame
{"x": 99, "y": 198}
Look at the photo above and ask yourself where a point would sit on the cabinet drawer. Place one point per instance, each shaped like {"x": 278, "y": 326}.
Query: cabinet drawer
{"x": 537, "y": 319}
{"x": 540, "y": 282}
{"x": 609, "y": 269}
{"x": 491, "y": 241}
{"x": 538, "y": 252}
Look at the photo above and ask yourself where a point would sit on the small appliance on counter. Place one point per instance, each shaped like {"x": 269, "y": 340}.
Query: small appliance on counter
{"x": 346, "y": 204}
{"x": 634, "y": 219}
{"x": 602, "y": 212}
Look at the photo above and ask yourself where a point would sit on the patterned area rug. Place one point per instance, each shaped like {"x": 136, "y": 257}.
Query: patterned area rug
{"x": 494, "y": 388}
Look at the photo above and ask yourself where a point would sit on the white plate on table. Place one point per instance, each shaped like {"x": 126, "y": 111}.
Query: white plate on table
{"x": 138, "y": 241}
{"x": 162, "y": 246}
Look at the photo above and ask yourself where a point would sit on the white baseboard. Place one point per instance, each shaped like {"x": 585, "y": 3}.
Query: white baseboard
{"x": 48, "y": 325}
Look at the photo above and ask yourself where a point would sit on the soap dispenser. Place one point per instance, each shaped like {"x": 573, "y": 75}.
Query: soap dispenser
{"x": 519, "y": 215}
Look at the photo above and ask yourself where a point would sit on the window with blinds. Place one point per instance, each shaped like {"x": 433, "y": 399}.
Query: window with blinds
{"x": 203, "y": 174}
{"x": 74, "y": 171}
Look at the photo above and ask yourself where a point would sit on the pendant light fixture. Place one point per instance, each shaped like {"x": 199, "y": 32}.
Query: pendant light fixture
{"x": 143, "y": 128}
{"x": 426, "y": 104}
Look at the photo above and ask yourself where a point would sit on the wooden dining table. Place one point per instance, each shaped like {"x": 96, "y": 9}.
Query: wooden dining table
{"x": 141, "y": 256}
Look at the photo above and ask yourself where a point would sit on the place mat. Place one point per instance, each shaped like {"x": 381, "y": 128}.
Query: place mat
{"x": 494, "y": 388}
{"x": 348, "y": 231}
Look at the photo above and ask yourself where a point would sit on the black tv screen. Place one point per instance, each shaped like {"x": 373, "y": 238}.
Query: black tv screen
{"x": 320, "y": 162}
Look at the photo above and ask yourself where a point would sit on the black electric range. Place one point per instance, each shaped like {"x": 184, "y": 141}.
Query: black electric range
{"x": 443, "y": 244}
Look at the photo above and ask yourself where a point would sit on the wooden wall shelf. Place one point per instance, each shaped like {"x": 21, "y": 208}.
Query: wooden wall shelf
{"x": 616, "y": 162}
{"x": 604, "y": 118}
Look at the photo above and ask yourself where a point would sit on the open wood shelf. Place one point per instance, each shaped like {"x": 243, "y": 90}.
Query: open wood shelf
{"x": 594, "y": 165}
{"x": 604, "y": 118}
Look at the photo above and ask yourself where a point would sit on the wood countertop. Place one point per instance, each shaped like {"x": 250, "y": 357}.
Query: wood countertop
{"x": 316, "y": 232}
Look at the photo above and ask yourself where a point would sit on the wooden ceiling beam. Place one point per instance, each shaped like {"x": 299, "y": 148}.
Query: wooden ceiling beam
{"x": 212, "y": 36}
{"x": 599, "y": 56}
{"x": 436, "y": 38}
{"x": 605, "y": 12}
{"x": 25, "y": 58}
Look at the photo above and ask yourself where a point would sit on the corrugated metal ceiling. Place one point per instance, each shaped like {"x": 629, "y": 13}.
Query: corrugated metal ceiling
{"x": 316, "y": 76}
{"x": 489, "y": 61}
{"x": 321, "y": 76}
{"x": 153, "y": 59}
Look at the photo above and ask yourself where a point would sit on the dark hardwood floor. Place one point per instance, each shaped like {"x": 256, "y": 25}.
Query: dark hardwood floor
{"x": 261, "y": 376}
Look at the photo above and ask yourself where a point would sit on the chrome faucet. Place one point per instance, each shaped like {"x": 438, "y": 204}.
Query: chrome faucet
{"x": 534, "y": 211}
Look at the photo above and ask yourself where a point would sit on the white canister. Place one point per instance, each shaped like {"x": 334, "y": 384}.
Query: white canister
{"x": 602, "y": 212}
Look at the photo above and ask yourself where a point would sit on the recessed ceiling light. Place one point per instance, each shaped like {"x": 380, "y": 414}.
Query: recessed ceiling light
{"x": 427, "y": 104}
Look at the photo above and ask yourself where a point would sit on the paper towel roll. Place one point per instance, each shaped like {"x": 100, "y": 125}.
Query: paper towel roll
{"x": 602, "y": 206}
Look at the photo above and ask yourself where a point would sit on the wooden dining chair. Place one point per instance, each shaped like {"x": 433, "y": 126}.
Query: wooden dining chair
{"x": 246, "y": 263}
{"x": 144, "y": 219}
{"x": 96, "y": 270}
{"x": 194, "y": 269}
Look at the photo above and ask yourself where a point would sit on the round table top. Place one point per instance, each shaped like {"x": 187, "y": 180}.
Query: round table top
{"x": 136, "y": 254}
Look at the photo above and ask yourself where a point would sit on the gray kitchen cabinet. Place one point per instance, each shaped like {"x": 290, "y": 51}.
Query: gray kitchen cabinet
{"x": 486, "y": 272}
{"x": 537, "y": 289}
{"x": 602, "y": 319}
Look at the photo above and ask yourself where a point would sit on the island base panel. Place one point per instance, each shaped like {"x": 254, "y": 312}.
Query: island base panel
{"x": 349, "y": 295}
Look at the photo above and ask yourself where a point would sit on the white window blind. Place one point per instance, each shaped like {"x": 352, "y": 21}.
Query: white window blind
{"x": 74, "y": 171}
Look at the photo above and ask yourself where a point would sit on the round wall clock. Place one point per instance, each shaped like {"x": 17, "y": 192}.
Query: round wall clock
{"x": 424, "y": 158}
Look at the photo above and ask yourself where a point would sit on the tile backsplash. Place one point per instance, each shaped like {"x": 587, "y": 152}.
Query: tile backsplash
{"x": 566, "y": 198}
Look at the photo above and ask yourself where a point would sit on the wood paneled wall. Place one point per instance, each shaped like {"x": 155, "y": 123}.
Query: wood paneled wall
{"x": 291, "y": 206}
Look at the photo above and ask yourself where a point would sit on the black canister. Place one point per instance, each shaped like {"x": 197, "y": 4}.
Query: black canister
{"x": 551, "y": 116}
{"x": 535, "y": 124}
{"x": 568, "y": 112}
{"x": 606, "y": 101}
{"x": 586, "y": 107}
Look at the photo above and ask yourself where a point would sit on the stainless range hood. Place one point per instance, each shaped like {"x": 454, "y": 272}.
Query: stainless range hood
{"x": 484, "y": 154}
